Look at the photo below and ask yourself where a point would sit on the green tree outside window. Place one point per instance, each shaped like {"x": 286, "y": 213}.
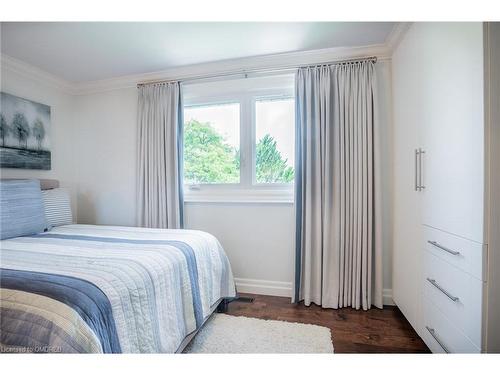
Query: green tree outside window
{"x": 209, "y": 159}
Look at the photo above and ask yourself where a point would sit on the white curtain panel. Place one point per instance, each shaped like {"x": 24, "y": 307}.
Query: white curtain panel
{"x": 338, "y": 237}
{"x": 160, "y": 203}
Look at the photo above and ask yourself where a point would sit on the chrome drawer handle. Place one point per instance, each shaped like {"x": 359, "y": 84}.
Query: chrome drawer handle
{"x": 444, "y": 291}
{"x": 453, "y": 252}
{"x": 433, "y": 334}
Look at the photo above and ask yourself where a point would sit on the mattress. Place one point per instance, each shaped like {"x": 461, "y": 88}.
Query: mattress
{"x": 106, "y": 289}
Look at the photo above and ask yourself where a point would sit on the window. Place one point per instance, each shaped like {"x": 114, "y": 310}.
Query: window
{"x": 275, "y": 140}
{"x": 212, "y": 144}
{"x": 239, "y": 140}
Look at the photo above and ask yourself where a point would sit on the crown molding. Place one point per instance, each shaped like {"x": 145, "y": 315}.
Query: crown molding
{"x": 237, "y": 66}
{"x": 381, "y": 51}
{"x": 396, "y": 35}
{"x": 32, "y": 72}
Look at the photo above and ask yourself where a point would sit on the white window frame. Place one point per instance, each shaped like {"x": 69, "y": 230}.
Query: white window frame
{"x": 245, "y": 92}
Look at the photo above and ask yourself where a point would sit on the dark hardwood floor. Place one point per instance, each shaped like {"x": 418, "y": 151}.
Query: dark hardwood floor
{"x": 353, "y": 331}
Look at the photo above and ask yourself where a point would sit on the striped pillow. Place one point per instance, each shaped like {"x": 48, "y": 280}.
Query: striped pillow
{"x": 57, "y": 207}
{"x": 21, "y": 208}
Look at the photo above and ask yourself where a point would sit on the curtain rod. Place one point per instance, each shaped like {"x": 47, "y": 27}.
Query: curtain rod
{"x": 258, "y": 70}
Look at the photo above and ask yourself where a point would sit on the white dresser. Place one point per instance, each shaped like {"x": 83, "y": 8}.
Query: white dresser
{"x": 446, "y": 263}
{"x": 452, "y": 292}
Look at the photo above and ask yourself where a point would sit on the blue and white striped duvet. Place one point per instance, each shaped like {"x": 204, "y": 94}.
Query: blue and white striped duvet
{"x": 86, "y": 288}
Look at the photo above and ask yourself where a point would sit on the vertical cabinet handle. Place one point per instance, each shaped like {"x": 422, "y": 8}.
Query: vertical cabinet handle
{"x": 420, "y": 178}
{"x": 433, "y": 334}
{"x": 416, "y": 169}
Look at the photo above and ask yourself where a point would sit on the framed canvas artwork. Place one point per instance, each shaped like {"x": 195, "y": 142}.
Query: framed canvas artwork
{"x": 24, "y": 133}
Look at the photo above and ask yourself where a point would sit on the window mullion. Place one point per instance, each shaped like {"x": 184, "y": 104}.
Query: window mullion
{"x": 246, "y": 142}
{"x": 252, "y": 140}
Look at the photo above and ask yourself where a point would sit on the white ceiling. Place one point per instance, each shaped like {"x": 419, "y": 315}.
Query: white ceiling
{"x": 87, "y": 51}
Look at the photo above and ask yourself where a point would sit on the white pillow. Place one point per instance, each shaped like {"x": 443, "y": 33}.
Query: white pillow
{"x": 57, "y": 207}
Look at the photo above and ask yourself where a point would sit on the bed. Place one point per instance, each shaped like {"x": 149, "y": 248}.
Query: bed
{"x": 109, "y": 289}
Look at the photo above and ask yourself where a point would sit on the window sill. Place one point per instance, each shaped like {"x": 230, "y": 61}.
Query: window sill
{"x": 240, "y": 196}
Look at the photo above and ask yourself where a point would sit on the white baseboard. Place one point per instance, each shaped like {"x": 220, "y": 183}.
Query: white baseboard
{"x": 387, "y": 297}
{"x": 266, "y": 287}
{"x": 284, "y": 289}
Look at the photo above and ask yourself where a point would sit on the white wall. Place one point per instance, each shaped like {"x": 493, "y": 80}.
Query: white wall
{"x": 258, "y": 238}
{"x": 105, "y": 142}
{"x": 61, "y": 137}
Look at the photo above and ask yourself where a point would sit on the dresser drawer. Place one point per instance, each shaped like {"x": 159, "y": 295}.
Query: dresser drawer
{"x": 455, "y": 293}
{"x": 467, "y": 255}
{"x": 441, "y": 335}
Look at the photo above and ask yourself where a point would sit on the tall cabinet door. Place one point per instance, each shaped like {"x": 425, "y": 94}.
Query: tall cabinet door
{"x": 452, "y": 128}
{"x": 406, "y": 198}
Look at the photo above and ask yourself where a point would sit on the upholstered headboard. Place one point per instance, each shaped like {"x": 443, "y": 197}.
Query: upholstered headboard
{"x": 45, "y": 184}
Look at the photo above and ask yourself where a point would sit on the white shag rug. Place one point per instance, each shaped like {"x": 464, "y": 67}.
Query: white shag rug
{"x": 237, "y": 334}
